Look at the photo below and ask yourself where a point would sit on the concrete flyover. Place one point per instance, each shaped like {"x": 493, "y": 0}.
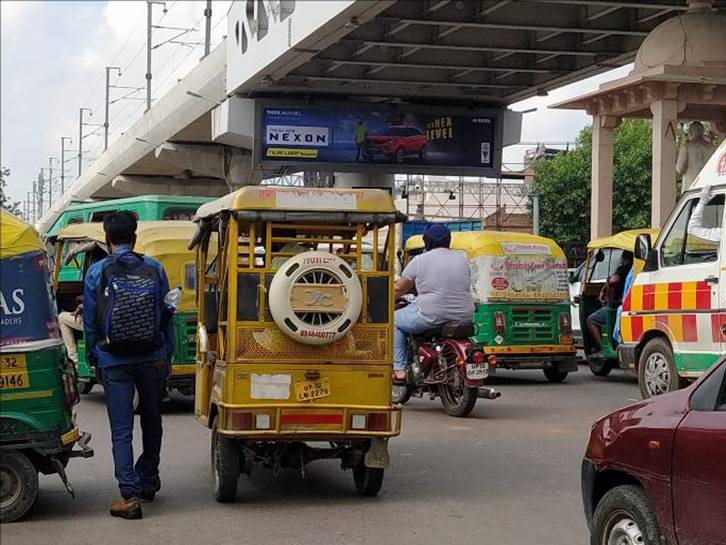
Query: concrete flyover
{"x": 197, "y": 139}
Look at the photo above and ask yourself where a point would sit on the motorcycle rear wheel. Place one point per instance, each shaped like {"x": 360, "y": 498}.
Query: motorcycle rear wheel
{"x": 458, "y": 399}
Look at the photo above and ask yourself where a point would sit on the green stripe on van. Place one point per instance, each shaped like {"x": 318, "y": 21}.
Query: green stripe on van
{"x": 695, "y": 361}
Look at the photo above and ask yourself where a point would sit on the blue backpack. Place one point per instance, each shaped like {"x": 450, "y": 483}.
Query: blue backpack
{"x": 130, "y": 307}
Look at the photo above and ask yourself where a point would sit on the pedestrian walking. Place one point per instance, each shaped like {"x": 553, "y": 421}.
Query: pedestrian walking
{"x": 129, "y": 340}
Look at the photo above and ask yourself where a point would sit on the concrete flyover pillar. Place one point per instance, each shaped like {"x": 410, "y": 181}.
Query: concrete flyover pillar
{"x": 665, "y": 119}
{"x": 601, "y": 200}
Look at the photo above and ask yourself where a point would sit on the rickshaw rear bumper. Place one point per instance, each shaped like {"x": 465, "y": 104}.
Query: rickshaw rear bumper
{"x": 563, "y": 362}
{"x": 306, "y": 422}
{"x": 81, "y": 448}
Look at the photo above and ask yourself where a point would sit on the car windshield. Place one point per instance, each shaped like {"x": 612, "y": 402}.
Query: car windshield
{"x": 399, "y": 131}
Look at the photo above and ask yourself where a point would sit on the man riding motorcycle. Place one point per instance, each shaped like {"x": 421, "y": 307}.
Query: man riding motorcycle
{"x": 441, "y": 279}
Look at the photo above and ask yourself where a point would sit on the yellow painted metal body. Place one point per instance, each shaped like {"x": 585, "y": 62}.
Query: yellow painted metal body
{"x": 252, "y": 368}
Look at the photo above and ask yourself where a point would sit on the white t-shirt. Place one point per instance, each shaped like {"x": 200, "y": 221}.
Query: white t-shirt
{"x": 443, "y": 282}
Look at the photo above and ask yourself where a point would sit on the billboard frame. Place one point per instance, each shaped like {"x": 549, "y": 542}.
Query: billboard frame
{"x": 497, "y": 114}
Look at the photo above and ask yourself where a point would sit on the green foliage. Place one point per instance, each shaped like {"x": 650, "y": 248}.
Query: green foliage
{"x": 563, "y": 184}
{"x": 12, "y": 207}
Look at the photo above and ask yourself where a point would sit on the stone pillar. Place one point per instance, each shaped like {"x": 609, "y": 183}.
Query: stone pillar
{"x": 665, "y": 119}
{"x": 601, "y": 201}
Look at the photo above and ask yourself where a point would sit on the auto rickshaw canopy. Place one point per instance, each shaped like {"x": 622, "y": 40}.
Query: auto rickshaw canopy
{"x": 624, "y": 240}
{"x": 495, "y": 243}
{"x": 17, "y": 237}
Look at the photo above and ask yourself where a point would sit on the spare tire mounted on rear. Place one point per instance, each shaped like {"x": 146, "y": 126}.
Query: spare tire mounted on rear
{"x": 315, "y": 297}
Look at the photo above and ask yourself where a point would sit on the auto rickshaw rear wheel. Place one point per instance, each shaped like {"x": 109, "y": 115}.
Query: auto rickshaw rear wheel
{"x": 18, "y": 485}
{"x": 368, "y": 480}
{"x": 553, "y": 374}
{"x": 600, "y": 367}
{"x": 225, "y": 465}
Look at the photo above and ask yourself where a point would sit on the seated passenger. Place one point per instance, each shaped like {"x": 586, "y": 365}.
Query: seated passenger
{"x": 68, "y": 322}
{"x": 628, "y": 284}
{"x": 442, "y": 280}
{"x": 611, "y": 296}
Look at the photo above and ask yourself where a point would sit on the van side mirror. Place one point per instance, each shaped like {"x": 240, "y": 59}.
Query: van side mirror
{"x": 600, "y": 256}
{"x": 643, "y": 247}
{"x": 571, "y": 277}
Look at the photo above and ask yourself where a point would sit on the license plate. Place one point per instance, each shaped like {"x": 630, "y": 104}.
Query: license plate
{"x": 312, "y": 389}
{"x": 13, "y": 372}
{"x": 477, "y": 371}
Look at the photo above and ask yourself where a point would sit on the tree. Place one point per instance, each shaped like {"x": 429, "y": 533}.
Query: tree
{"x": 5, "y": 202}
{"x": 564, "y": 186}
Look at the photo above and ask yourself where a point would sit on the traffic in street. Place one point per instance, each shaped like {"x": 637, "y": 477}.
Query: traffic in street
{"x": 510, "y": 474}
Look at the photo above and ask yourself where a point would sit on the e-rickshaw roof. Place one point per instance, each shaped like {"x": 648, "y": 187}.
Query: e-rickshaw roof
{"x": 17, "y": 237}
{"x": 153, "y": 238}
{"x": 478, "y": 243}
{"x": 299, "y": 199}
{"x": 624, "y": 240}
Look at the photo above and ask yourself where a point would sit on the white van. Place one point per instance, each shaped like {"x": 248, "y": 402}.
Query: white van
{"x": 674, "y": 318}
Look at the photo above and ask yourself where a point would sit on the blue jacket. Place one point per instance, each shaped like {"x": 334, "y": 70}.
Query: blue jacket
{"x": 92, "y": 328}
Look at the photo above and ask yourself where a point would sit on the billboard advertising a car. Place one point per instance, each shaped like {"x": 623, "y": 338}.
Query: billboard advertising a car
{"x": 359, "y": 138}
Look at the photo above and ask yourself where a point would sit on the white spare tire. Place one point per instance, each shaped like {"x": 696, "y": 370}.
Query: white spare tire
{"x": 315, "y": 297}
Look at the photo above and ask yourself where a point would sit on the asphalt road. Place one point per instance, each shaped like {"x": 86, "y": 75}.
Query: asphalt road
{"x": 507, "y": 475}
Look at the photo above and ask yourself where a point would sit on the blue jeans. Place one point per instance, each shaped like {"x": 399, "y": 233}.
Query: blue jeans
{"x": 119, "y": 382}
{"x": 407, "y": 321}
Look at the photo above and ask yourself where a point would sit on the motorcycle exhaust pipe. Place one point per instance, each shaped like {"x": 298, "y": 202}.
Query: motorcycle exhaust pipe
{"x": 489, "y": 393}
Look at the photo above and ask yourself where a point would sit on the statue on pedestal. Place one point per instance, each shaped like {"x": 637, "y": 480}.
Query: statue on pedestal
{"x": 693, "y": 154}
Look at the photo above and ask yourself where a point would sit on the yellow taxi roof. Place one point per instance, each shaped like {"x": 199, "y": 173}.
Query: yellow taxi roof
{"x": 624, "y": 240}
{"x": 476, "y": 243}
{"x": 16, "y": 236}
{"x": 300, "y": 199}
{"x": 152, "y": 237}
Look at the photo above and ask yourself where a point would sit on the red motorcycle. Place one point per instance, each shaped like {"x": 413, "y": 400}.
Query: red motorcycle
{"x": 445, "y": 363}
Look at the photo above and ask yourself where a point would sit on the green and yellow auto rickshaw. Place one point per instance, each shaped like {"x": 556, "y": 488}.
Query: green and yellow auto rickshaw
{"x": 603, "y": 258}
{"x": 38, "y": 428}
{"x": 522, "y": 307}
{"x": 78, "y": 246}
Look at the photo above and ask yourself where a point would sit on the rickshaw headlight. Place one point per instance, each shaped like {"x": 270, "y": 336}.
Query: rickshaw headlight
{"x": 262, "y": 421}
{"x": 358, "y": 422}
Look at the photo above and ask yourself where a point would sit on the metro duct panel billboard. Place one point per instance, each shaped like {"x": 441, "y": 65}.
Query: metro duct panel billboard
{"x": 359, "y": 138}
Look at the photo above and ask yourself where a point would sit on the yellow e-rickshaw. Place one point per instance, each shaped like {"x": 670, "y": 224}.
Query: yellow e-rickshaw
{"x": 80, "y": 245}
{"x": 295, "y": 334}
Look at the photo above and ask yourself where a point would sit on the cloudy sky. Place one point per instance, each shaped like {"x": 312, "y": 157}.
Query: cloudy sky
{"x": 52, "y": 63}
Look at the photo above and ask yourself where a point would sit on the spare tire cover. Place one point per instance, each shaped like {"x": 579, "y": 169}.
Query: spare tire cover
{"x": 315, "y": 297}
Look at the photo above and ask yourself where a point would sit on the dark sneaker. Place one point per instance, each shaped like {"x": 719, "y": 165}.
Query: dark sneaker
{"x": 148, "y": 493}
{"x": 129, "y": 509}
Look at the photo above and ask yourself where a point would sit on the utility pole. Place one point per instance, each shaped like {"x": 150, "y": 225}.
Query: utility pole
{"x": 105, "y": 119}
{"x": 41, "y": 183}
{"x": 149, "y": 47}
{"x": 80, "y": 137}
{"x": 50, "y": 181}
{"x": 207, "y": 27}
{"x": 63, "y": 162}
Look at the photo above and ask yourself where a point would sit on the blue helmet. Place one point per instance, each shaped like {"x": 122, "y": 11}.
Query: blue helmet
{"x": 436, "y": 235}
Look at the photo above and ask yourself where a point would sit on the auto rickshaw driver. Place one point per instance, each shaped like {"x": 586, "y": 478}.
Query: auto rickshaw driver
{"x": 611, "y": 296}
{"x": 442, "y": 280}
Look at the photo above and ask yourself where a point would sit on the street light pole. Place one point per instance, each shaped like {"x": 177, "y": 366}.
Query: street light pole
{"x": 41, "y": 183}
{"x": 149, "y": 47}
{"x": 50, "y": 181}
{"x": 63, "y": 162}
{"x": 207, "y": 27}
{"x": 105, "y": 119}
{"x": 80, "y": 137}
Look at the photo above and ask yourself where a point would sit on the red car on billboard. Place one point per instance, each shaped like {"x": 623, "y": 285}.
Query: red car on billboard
{"x": 397, "y": 142}
{"x": 654, "y": 472}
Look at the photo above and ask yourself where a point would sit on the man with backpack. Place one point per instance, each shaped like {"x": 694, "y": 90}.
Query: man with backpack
{"x": 129, "y": 340}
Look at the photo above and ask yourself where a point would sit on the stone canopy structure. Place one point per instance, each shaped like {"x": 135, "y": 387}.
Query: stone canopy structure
{"x": 679, "y": 74}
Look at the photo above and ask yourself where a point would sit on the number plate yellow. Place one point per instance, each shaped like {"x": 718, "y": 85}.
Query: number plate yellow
{"x": 13, "y": 372}
{"x": 312, "y": 389}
